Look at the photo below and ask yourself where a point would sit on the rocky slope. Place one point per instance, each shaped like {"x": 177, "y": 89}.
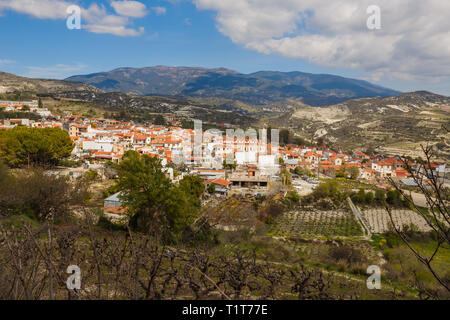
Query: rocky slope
{"x": 396, "y": 125}
{"x": 10, "y": 82}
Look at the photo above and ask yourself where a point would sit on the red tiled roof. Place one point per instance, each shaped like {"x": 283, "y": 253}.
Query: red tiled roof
{"x": 140, "y": 137}
{"x": 220, "y": 181}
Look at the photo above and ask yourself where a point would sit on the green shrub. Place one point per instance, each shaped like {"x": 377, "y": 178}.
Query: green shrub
{"x": 293, "y": 197}
{"x": 393, "y": 197}
{"x": 369, "y": 198}
{"x": 211, "y": 188}
{"x": 105, "y": 223}
{"x": 347, "y": 254}
{"x": 380, "y": 196}
{"x": 359, "y": 197}
{"x": 341, "y": 174}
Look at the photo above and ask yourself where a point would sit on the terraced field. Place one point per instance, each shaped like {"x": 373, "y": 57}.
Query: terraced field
{"x": 231, "y": 214}
{"x": 311, "y": 222}
{"x": 378, "y": 220}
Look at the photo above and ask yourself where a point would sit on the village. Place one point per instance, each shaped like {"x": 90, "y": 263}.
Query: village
{"x": 200, "y": 156}
{"x": 234, "y": 164}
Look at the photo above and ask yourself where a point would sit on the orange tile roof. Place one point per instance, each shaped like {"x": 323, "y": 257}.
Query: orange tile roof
{"x": 140, "y": 137}
{"x": 220, "y": 181}
{"x": 354, "y": 164}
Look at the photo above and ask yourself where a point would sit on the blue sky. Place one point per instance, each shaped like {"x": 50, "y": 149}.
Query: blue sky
{"x": 176, "y": 33}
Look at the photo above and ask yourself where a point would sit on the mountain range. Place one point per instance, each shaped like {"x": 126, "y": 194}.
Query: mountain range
{"x": 259, "y": 88}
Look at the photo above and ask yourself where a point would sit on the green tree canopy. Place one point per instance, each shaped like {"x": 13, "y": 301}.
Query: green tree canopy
{"x": 156, "y": 206}
{"x": 159, "y": 120}
{"x": 229, "y": 166}
{"x": 393, "y": 197}
{"x": 301, "y": 171}
{"x": 328, "y": 189}
{"x": 380, "y": 196}
{"x": 369, "y": 198}
{"x": 212, "y": 188}
{"x": 193, "y": 187}
{"x": 285, "y": 136}
{"x": 293, "y": 197}
{"x": 353, "y": 172}
{"x": 360, "y": 196}
{"x": 40, "y": 146}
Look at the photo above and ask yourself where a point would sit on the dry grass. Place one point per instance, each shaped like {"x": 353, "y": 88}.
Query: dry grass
{"x": 379, "y": 222}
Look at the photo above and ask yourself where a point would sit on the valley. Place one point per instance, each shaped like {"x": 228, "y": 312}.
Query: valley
{"x": 388, "y": 125}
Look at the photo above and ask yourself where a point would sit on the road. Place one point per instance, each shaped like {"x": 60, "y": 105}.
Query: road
{"x": 306, "y": 187}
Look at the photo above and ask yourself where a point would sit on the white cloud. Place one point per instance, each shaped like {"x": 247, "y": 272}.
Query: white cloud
{"x": 153, "y": 36}
{"x": 413, "y": 43}
{"x": 58, "y": 71}
{"x": 6, "y": 61}
{"x": 187, "y": 21}
{"x": 99, "y": 21}
{"x": 42, "y": 9}
{"x": 94, "y": 19}
{"x": 133, "y": 9}
{"x": 174, "y": 2}
{"x": 159, "y": 10}
{"x": 115, "y": 30}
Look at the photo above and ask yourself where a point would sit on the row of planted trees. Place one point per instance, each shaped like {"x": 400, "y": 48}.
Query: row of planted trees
{"x": 379, "y": 197}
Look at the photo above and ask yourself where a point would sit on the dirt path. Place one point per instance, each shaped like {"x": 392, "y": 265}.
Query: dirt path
{"x": 358, "y": 215}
